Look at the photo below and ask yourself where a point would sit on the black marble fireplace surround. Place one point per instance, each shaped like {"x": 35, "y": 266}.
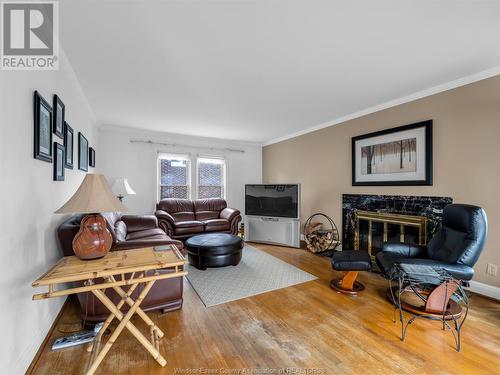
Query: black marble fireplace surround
{"x": 430, "y": 207}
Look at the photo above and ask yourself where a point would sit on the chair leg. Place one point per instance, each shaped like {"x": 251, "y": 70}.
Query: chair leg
{"x": 347, "y": 284}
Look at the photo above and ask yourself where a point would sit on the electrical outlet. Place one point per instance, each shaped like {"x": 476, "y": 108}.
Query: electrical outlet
{"x": 492, "y": 269}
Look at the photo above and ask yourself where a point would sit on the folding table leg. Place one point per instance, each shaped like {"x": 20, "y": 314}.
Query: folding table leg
{"x": 121, "y": 303}
{"x": 125, "y": 322}
{"x": 97, "y": 342}
{"x": 126, "y": 297}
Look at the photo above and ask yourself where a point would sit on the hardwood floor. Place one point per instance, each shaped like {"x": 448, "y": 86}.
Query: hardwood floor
{"x": 303, "y": 326}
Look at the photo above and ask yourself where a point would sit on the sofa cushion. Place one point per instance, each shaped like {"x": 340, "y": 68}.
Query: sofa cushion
{"x": 216, "y": 225}
{"x": 121, "y": 230}
{"x": 145, "y": 234}
{"x": 189, "y": 230}
{"x": 179, "y": 209}
{"x": 183, "y": 216}
{"x": 206, "y": 215}
{"x": 112, "y": 218}
{"x": 188, "y": 224}
{"x": 188, "y": 227}
{"x": 210, "y": 204}
{"x": 135, "y": 223}
{"x": 172, "y": 205}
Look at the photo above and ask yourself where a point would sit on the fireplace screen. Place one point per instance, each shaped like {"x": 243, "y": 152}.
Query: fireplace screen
{"x": 374, "y": 228}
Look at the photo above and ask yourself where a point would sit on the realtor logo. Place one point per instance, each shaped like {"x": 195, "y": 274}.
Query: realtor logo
{"x": 29, "y": 37}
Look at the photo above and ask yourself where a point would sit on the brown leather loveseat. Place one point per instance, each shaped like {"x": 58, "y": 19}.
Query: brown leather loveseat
{"x": 128, "y": 232}
{"x": 183, "y": 218}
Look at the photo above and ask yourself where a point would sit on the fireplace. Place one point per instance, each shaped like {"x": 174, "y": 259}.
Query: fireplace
{"x": 370, "y": 220}
{"x": 374, "y": 228}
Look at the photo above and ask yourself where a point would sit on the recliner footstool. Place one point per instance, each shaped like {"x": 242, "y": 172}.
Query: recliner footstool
{"x": 350, "y": 262}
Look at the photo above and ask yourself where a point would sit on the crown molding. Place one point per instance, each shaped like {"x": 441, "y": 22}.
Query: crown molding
{"x": 393, "y": 103}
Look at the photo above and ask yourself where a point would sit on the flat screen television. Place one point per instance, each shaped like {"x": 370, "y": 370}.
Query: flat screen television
{"x": 272, "y": 200}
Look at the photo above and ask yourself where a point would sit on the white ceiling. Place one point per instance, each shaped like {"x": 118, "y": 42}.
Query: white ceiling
{"x": 260, "y": 70}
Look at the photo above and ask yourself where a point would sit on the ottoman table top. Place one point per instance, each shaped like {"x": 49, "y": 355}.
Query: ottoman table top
{"x": 215, "y": 240}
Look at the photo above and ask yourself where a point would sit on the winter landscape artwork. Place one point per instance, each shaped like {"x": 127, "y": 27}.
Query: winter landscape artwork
{"x": 397, "y": 156}
{"x": 389, "y": 157}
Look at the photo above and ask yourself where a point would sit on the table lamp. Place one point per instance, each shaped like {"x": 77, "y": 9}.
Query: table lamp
{"x": 93, "y": 197}
{"x": 121, "y": 188}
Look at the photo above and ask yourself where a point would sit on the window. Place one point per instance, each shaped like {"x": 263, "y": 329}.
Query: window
{"x": 211, "y": 178}
{"x": 174, "y": 176}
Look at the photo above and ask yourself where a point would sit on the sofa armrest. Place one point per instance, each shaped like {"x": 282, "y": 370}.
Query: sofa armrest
{"x": 140, "y": 222}
{"x": 405, "y": 249}
{"x": 166, "y": 222}
{"x": 160, "y": 214}
{"x": 229, "y": 213}
{"x": 233, "y": 216}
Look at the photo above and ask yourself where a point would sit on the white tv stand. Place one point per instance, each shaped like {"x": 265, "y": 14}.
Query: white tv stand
{"x": 273, "y": 230}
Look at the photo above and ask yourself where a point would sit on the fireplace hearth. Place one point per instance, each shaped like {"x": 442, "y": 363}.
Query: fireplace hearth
{"x": 369, "y": 220}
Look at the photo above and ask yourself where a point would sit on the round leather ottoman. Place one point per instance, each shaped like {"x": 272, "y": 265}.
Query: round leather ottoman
{"x": 214, "y": 250}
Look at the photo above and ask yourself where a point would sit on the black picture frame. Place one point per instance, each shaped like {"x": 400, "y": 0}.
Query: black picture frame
{"x": 58, "y": 117}
{"x": 68, "y": 145}
{"x": 426, "y": 181}
{"x": 59, "y": 157}
{"x": 83, "y": 153}
{"x": 91, "y": 157}
{"x": 42, "y": 142}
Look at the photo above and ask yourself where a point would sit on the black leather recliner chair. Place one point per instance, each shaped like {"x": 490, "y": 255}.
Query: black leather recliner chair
{"x": 455, "y": 247}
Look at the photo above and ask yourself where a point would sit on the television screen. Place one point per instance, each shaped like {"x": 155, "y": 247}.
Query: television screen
{"x": 272, "y": 200}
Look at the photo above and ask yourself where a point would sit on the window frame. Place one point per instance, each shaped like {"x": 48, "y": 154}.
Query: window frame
{"x": 173, "y": 156}
{"x": 224, "y": 174}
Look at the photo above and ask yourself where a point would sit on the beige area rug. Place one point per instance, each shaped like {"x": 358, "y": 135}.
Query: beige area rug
{"x": 258, "y": 272}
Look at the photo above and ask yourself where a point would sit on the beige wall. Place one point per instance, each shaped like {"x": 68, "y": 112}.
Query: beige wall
{"x": 466, "y": 158}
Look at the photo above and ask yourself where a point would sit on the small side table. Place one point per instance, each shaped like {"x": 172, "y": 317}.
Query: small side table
{"x": 429, "y": 292}
{"x": 134, "y": 267}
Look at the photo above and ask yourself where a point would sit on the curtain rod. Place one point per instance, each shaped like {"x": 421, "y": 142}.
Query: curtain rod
{"x": 181, "y": 145}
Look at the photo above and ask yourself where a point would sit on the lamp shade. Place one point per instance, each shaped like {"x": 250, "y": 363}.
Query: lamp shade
{"x": 93, "y": 196}
{"x": 122, "y": 187}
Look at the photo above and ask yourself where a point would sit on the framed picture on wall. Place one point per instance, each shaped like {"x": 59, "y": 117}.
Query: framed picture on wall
{"x": 91, "y": 157}
{"x": 393, "y": 157}
{"x": 58, "y": 117}
{"x": 68, "y": 145}
{"x": 42, "y": 142}
{"x": 58, "y": 162}
{"x": 83, "y": 153}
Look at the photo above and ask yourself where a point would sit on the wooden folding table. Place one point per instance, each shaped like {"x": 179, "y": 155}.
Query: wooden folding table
{"x": 116, "y": 269}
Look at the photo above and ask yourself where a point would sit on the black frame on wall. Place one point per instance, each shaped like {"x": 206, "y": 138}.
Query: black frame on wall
{"x": 58, "y": 116}
{"x": 59, "y": 161}
{"x": 91, "y": 157}
{"x": 68, "y": 145}
{"x": 39, "y": 104}
{"x": 83, "y": 144}
{"x": 428, "y": 156}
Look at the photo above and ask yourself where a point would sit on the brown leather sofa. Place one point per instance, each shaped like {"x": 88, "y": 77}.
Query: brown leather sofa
{"x": 128, "y": 232}
{"x": 184, "y": 218}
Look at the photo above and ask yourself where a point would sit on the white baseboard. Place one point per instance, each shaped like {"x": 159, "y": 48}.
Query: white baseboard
{"x": 485, "y": 289}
